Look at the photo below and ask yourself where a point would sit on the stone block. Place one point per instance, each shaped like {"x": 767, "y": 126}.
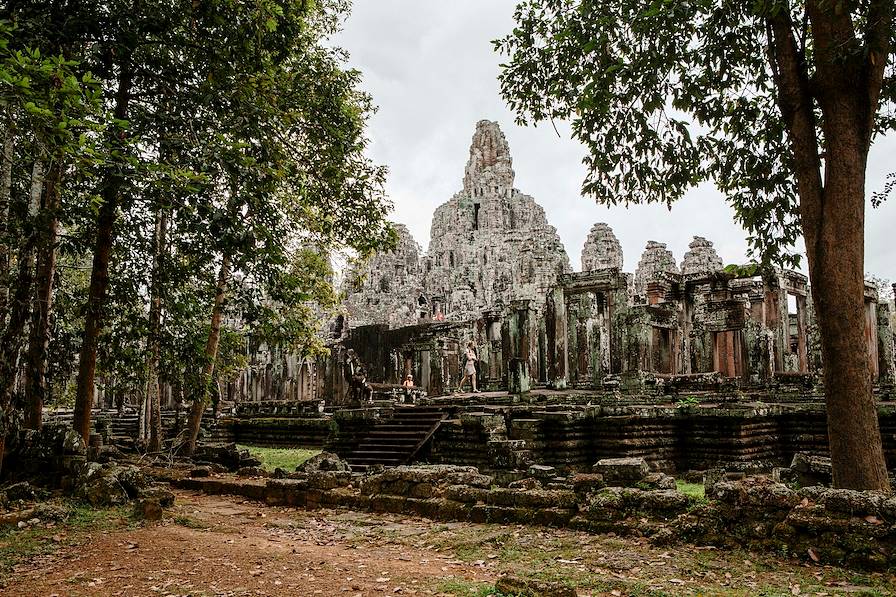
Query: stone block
{"x": 200, "y": 471}
{"x": 525, "y": 484}
{"x": 323, "y": 462}
{"x": 252, "y": 471}
{"x": 285, "y": 492}
{"x": 811, "y": 470}
{"x": 518, "y": 380}
{"x": 465, "y": 494}
{"x": 622, "y": 471}
{"x": 149, "y": 509}
{"x": 585, "y": 483}
{"x": 542, "y": 472}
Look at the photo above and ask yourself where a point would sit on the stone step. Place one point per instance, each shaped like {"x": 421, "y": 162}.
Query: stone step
{"x": 395, "y": 441}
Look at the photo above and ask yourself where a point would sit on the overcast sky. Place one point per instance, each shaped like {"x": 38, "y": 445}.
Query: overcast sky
{"x": 431, "y": 70}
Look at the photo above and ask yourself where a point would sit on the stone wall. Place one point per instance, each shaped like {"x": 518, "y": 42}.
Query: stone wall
{"x": 495, "y": 273}
{"x": 825, "y": 526}
{"x": 386, "y": 289}
{"x": 669, "y": 438}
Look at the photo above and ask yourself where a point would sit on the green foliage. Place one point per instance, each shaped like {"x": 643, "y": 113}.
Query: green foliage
{"x": 743, "y": 271}
{"x": 244, "y": 128}
{"x": 687, "y": 401}
{"x": 667, "y": 94}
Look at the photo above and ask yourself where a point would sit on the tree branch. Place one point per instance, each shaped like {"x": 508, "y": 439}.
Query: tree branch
{"x": 877, "y": 50}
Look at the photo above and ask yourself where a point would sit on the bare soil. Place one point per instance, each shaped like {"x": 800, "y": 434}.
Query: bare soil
{"x": 223, "y": 546}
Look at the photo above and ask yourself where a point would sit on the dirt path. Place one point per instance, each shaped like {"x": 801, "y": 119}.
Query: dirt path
{"x": 222, "y": 546}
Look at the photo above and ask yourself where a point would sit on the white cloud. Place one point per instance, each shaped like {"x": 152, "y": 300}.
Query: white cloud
{"x": 431, "y": 69}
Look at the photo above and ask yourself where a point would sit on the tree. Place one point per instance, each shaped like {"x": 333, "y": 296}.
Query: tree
{"x": 214, "y": 141}
{"x": 776, "y": 101}
{"x": 290, "y": 169}
{"x": 48, "y": 109}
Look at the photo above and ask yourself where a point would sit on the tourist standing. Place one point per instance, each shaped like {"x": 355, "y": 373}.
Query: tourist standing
{"x": 469, "y": 367}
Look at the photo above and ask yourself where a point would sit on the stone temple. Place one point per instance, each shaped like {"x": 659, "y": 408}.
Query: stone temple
{"x": 490, "y": 245}
{"x": 496, "y": 273}
{"x": 607, "y": 376}
{"x": 677, "y": 360}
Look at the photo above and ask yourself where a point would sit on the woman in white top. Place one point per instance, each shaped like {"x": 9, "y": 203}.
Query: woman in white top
{"x": 469, "y": 367}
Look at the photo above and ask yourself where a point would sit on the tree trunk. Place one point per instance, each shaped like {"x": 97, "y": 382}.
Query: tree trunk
{"x": 99, "y": 275}
{"x": 155, "y": 328}
{"x": 835, "y": 245}
{"x": 5, "y": 198}
{"x": 846, "y": 86}
{"x": 10, "y": 343}
{"x": 42, "y": 304}
{"x": 211, "y": 352}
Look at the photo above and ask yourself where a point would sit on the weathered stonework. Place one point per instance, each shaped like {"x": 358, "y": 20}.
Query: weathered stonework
{"x": 388, "y": 287}
{"x": 490, "y": 245}
{"x": 655, "y": 261}
{"x": 701, "y": 259}
{"x": 820, "y": 525}
{"x": 496, "y": 276}
{"x": 602, "y": 249}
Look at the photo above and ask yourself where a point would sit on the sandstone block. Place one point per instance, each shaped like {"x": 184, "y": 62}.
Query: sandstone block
{"x": 622, "y": 471}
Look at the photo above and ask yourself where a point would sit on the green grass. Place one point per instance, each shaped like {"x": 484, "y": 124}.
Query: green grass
{"x": 466, "y": 588}
{"x": 286, "y": 458}
{"x": 695, "y": 490}
{"x": 190, "y": 523}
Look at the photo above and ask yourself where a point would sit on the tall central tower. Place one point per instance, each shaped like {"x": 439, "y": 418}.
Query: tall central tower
{"x": 491, "y": 244}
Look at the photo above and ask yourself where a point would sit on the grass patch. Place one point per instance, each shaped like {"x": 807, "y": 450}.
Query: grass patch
{"x": 695, "y": 490}
{"x": 466, "y": 588}
{"x": 286, "y": 458}
{"x": 190, "y": 523}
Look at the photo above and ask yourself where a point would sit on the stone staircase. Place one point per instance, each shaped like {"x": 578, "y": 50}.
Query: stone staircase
{"x": 397, "y": 440}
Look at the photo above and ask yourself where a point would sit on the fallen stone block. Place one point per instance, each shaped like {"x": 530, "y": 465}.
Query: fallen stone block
{"x": 164, "y": 496}
{"x": 149, "y": 509}
{"x": 585, "y": 483}
{"x": 20, "y": 491}
{"x": 252, "y": 471}
{"x": 542, "y": 471}
{"x": 811, "y": 470}
{"x": 201, "y": 471}
{"x": 323, "y": 462}
{"x": 622, "y": 471}
{"x": 526, "y": 484}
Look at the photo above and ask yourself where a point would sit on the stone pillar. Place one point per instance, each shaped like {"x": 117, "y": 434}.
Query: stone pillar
{"x": 886, "y": 350}
{"x": 518, "y": 381}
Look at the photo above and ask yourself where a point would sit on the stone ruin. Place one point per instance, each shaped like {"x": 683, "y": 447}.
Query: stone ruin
{"x": 496, "y": 273}
{"x": 601, "y": 384}
{"x": 686, "y": 365}
{"x": 489, "y": 245}
{"x": 386, "y": 290}
{"x": 602, "y": 249}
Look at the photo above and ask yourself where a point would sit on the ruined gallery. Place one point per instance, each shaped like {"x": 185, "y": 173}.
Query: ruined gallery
{"x": 686, "y": 364}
